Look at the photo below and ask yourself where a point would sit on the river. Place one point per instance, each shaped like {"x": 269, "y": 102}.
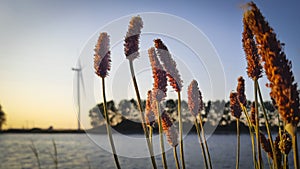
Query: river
{"x": 83, "y": 151}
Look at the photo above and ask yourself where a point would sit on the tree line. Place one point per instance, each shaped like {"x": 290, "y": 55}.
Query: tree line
{"x": 215, "y": 112}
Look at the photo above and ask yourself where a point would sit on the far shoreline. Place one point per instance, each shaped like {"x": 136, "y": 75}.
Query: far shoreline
{"x": 133, "y": 131}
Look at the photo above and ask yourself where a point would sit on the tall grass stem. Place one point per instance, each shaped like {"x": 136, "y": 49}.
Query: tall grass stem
{"x": 176, "y": 158}
{"x": 250, "y": 126}
{"x": 295, "y": 151}
{"x": 161, "y": 136}
{"x": 201, "y": 143}
{"x": 146, "y": 133}
{"x": 180, "y": 132}
{"x": 150, "y": 135}
{"x": 108, "y": 126}
{"x": 238, "y": 143}
{"x": 267, "y": 127}
{"x": 205, "y": 142}
{"x": 259, "y": 159}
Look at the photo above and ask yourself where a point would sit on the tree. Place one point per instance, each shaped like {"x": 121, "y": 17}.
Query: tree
{"x": 171, "y": 106}
{"x": 97, "y": 114}
{"x": 2, "y": 118}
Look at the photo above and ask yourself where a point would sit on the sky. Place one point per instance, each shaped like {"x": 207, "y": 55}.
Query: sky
{"x": 42, "y": 40}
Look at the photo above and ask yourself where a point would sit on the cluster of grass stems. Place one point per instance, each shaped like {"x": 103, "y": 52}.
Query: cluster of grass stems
{"x": 261, "y": 46}
{"x": 254, "y": 49}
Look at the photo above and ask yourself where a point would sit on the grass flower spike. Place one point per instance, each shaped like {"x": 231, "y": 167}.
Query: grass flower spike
{"x": 102, "y": 66}
{"x": 175, "y": 81}
{"x": 169, "y": 65}
{"x": 235, "y": 107}
{"x": 169, "y": 129}
{"x": 236, "y": 111}
{"x": 279, "y": 72}
{"x": 254, "y": 67}
{"x": 195, "y": 105}
{"x": 102, "y": 56}
{"x": 159, "y": 76}
{"x": 149, "y": 114}
{"x": 159, "y": 92}
{"x": 171, "y": 134}
{"x": 131, "y": 50}
{"x": 193, "y": 98}
{"x": 241, "y": 91}
{"x": 285, "y": 144}
{"x": 277, "y": 67}
{"x": 131, "y": 45}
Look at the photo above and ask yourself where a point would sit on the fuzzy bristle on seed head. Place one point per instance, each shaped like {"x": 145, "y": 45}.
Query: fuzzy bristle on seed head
{"x": 235, "y": 107}
{"x": 169, "y": 129}
{"x": 159, "y": 76}
{"x": 131, "y": 45}
{"x": 149, "y": 114}
{"x": 169, "y": 65}
{"x": 277, "y": 67}
{"x": 241, "y": 91}
{"x": 194, "y": 98}
{"x": 102, "y": 55}
{"x": 254, "y": 67}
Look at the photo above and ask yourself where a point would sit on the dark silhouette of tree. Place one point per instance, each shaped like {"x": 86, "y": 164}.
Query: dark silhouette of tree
{"x": 171, "y": 106}
{"x": 2, "y": 117}
{"x": 225, "y": 120}
{"x": 97, "y": 114}
{"x": 125, "y": 107}
{"x": 269, "y": 106}
{"x": 134, "y": 102}
{"x": 207, "y": 107}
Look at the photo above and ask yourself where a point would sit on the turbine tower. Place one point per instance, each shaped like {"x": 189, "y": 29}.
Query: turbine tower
{"x": 78, "y": 70}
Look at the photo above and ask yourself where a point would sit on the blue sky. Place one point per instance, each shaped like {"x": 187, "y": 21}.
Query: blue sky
{"x": 41, "y": 40}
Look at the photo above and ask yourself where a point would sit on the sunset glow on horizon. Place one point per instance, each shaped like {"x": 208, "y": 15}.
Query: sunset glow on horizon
{"x": 41, "y": 41}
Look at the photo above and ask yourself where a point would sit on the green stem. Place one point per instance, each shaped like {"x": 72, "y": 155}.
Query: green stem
{"x": 176, "y": 158}
{"x": 268, "y": 128}
{"x": 285, "y": 164}
{"x": 238, "y": 143}
{"x": 250, "y": 126}
{"x": 146, "y": 133}
{"x": 180, "y": 132}
{"x": 259, "y": 159}
{"x": 205, "y": 142}
{"x": 201, "y": 143}
{"x": 253, "y": 150}
{"x": 108, "y": 127}
{"x": 162, "y": 147}
{"x": 295, "y": 151}
{"x": 150, "y": 135}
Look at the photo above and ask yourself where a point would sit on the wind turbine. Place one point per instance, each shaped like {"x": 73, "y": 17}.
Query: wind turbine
{"x": 78, "y": 70}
